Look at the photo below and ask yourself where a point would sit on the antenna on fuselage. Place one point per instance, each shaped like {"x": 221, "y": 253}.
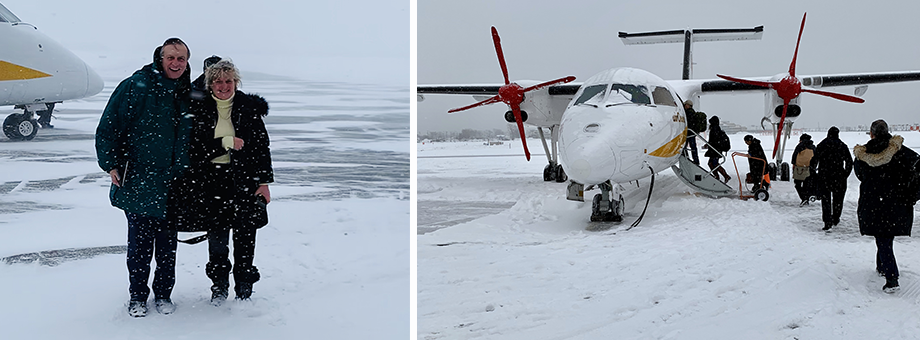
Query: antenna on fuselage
{"x": 688, "y": 37}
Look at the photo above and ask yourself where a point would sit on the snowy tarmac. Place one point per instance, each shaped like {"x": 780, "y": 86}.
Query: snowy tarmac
{"x": 502, "y": 254}
{"x": 334, "y": 257}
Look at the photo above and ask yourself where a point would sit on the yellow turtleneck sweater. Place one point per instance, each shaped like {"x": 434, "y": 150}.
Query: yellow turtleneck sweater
{"x": 224, "y": 129}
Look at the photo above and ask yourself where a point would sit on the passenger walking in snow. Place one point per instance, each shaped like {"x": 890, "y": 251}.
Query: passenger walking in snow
{"x": 696, "y": 124}
{"x": 801, "y": 169}
{"x": 229, "y": 152}
{"x": 719, "y": 143}
{"x": 142, "y": 141}
{"x": 757, "y": 161}
{"x": 887, "y": 193}
{"x": 832, "y": 165}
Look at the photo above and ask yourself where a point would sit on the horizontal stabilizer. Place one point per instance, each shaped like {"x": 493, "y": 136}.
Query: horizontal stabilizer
{"x": 678, "y": 36}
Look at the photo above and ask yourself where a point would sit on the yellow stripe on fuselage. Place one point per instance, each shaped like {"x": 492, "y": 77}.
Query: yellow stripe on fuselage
{"x": 9, "y": 71}
{"x": 671, "y": 148}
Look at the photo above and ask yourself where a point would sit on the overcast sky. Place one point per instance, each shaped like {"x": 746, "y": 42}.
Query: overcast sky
{"x": 545, "y": 39}
{"x": 351, "y": 41}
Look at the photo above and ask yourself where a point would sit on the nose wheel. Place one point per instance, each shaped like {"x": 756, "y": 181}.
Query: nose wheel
{"x": 606, "y": 209}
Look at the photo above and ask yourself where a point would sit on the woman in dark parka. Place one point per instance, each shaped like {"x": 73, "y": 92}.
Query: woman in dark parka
{"x": 230, "y": 156}
{"x": 887, "y": 193}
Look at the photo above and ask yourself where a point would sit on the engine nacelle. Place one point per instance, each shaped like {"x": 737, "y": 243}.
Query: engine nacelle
{"x": 773, "y": 108}
{"x": 509, "y": 116}
{"x": 792, "y": 111}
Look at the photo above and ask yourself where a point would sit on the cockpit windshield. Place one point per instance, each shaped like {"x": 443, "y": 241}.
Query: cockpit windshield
{"x": 7, "y": 16}
{"x": 627, "y": 93}
{"x": 593, "y": 93}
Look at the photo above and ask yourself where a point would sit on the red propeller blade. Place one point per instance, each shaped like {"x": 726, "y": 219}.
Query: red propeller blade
{"x": 549, "y": 83}
{"x": 484, "y": 102}
{"x": 779, "y": 129}
{"x": 516, "y": 108}
{"x": 746, "y": 81}
{"x": 834, "y": 95}
{"x": 501, "y": 56}
{"x": 796, "y": 54}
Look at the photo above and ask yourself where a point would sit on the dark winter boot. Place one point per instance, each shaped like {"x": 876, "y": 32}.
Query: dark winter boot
{"x": 165, "y": 306}
{"x": 243, "y": 290}
{"x": 891, "y": 286}
{"x": 137, "y": 309}
{"x": 219, "y": 293}
{"x": 244, "y": 278}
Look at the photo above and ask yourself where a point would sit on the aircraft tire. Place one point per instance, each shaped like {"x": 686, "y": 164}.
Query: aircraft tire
{"x": 784, "y": 172}
{"x": 549, "y": 173}
{"x": 596, "y": 215}
{"x": 11, "y": 126}
{"x": 761, "y": 195}
{"x": 560, "y": 174}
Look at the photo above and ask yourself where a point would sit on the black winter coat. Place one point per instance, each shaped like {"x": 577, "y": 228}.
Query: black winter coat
{"x": 250, "y": 166}
{"x": 714, "y": 132}
{"x": 832, "y": 163}
{"x": 888, "y": 188}
{"x": 756, "y": 165}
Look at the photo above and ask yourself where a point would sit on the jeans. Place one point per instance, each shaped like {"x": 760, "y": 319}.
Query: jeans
{"x": 691, "y": 144}
{"x": 147, "y": 236}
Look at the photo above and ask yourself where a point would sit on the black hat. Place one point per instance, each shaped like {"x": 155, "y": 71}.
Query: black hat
{"x": 748, "y": 138}
{"x": 833, "y": 131}
{"x": 211, "y": 61}
{"x": 805, "y": 136}
{"x": 714, "y": 120}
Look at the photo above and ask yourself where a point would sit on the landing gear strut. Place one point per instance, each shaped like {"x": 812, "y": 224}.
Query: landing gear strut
{"x": 604, "y": 208}
{"x": 552, "y": 171}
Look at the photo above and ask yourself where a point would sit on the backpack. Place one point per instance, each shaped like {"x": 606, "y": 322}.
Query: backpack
{"x": 804, "y": 157}
{"x": 696, "y": 121}
{"x": 722, "y": 143}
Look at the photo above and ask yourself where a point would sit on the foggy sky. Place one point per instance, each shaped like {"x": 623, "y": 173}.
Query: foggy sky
{"x": 350, "y": 41}
{"x": 545, "y": 40}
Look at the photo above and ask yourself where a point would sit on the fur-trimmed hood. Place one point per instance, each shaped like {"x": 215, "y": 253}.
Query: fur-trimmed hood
{"x": 256, "y": 102}
{"x": 876, "y": 152}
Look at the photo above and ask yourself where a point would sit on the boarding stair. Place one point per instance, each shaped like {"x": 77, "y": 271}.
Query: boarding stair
{"x": 701, "y": 180}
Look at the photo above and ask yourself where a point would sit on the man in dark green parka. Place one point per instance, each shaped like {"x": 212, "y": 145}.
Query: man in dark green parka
{"x": 142, "y": 143}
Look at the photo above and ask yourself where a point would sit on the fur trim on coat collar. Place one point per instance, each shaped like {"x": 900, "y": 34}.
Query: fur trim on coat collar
{"x": 881, "y": 158}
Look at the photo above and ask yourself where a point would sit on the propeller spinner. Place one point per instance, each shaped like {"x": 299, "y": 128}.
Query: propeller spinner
{"x": 790, "y": 87}
{"x": 512, "y": 93}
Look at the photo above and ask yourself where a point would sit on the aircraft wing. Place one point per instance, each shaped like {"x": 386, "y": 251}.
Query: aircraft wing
{"x": 813, "y": 81}
{"x": 689, "y": 88}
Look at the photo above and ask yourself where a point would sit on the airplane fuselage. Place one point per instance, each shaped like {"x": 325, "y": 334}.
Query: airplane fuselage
{"x": 621, "y": 122}
{"x": 36, "y": 69}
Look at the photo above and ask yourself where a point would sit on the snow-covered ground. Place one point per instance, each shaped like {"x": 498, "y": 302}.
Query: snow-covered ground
{"x": 334, "y": 257}
{"x": 502, "y": 254}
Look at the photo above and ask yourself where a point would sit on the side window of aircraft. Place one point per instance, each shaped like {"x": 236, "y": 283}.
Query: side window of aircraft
{"x": 7, "y": 16}
{"x": 627, "y": 93}
{"x": 663, "y": 97}
{"x": 595, "y": 92}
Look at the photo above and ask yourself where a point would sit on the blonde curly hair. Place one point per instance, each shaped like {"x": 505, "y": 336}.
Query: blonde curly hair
{"x": 222, "y": 68}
